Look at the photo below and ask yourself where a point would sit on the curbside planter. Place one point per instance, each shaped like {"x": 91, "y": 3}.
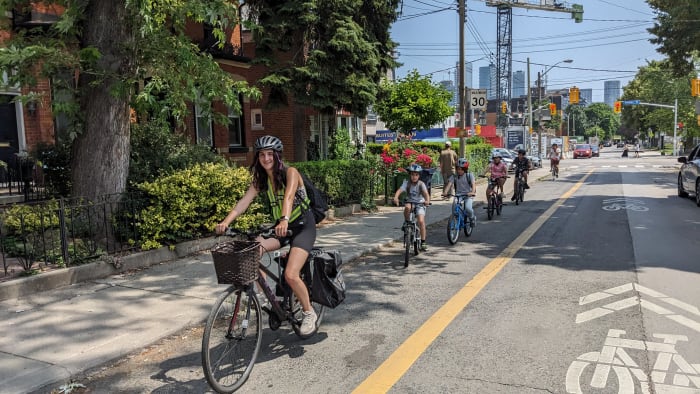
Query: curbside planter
{"x": 100, "y": 269}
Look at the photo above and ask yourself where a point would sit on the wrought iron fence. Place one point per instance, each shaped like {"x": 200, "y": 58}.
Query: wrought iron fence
{"x": 22, "y": 177}
{"x": 67, "y": 231}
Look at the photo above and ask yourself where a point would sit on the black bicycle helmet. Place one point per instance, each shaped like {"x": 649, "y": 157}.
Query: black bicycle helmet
{"x": 463, "y": 163}
{"x": 414, "y": 168}
{"x": 268, "y": 142}
{"x": 521, "y": 151}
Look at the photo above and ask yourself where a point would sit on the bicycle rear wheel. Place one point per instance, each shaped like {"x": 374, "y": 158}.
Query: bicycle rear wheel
{"x": 453, "y": 229}
{"x": 491, "y": 207}
{"x": 499, "y": 206}
{"x": 307, "y": 274}
{"x": 521, "y": 195}
{"x": 232, "y": 339}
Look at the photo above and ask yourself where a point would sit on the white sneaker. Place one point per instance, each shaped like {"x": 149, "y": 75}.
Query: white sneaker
{"x": 308, "y": 323}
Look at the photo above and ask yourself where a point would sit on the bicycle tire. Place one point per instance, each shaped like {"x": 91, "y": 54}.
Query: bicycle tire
{"x": 521, "y": 194}
{"x": 307, "y": 275}
{"x": 517, "y": 195}
{"x": 228, "y": 357}
{"x": 416, "y": 244}
{"x": 407, "y": 246}
{"x": 453, "y": 229}
{"x": 468, "y": 228}
{"x": 490, "y": 208}
{"x": 499, "y": 208}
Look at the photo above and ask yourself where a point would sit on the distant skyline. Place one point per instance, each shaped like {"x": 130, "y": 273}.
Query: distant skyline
{"x": 610, "y": 44}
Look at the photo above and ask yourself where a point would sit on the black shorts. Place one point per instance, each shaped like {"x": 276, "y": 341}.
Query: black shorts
{"x": 303, "y": 232}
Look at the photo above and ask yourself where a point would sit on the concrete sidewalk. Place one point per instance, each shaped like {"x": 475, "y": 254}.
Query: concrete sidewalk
{"x": 50, "y": 336}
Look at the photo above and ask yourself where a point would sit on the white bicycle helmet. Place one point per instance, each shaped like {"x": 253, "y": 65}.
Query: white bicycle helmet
{"x": 268, "y": 142}
{"x": 463, "y": 163}
{"x": 414, "y": 168}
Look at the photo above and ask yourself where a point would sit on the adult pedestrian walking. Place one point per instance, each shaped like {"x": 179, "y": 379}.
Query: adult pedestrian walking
{"x": 448, "y": 161}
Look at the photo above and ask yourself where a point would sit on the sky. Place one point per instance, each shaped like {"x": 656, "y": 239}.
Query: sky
{"x": 610, "y": 44}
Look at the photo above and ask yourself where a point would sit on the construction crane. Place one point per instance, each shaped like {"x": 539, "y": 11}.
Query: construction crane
{"x": 504, "y": 57}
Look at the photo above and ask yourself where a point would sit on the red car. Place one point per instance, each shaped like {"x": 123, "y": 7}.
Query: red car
{"x": 582, "y": 150}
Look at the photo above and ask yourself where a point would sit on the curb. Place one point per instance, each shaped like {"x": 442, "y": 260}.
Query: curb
{"x": 110, "y": 265}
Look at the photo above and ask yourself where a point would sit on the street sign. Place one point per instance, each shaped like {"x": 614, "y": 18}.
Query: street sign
{"x": 477, "y": 99}
{"x": 631, "y": 102}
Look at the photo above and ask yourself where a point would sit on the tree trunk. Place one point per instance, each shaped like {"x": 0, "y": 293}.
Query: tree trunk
{"x": 101, "y": 152}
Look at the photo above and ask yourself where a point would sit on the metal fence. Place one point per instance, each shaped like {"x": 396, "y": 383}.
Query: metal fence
{"x": 66, "y": 232}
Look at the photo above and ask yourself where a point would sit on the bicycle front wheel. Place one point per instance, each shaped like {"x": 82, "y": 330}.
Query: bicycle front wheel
{"x": 407, "y": 241}
{"x": 490, "y": 208}
{"x": 232, "y": 339}
{"x": 453, "y": 229}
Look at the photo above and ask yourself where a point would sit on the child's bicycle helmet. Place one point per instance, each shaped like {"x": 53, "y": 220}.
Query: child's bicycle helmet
{"x": 463, "y": 163}
{"x": 414, "y": 168}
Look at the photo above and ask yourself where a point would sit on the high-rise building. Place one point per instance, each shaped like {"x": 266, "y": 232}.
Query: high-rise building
{"x": 452, "y": 88}
{"x": 585, "y": 96}
{"x": 518, "y": 84}
{"x": 487, "y": 80}
{"x": 467, "y": 81}
{"x": 611, "y": 92}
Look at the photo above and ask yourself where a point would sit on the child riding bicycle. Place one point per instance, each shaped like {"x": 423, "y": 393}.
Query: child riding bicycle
{"x": 499, "y": 173}
{"x": 463, "y": 182}
{"x": 416, "y": 194}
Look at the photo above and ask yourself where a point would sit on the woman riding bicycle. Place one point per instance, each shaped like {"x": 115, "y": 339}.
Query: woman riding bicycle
{"x": 465, "y": 188}
{"x": 284, "y": 189}
{"x": 499, "y": 173}
{"x": 554, "y": 157}
{"x": 416, "y": 194}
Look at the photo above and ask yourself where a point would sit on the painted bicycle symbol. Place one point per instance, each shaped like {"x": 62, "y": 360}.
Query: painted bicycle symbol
{"x": 682, "y": 378}
{"x": 616, "y": 204}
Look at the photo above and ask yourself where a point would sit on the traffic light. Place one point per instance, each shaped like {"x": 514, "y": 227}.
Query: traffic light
{"x": 695, "y": 87}
{"x": 617, "y": 108}
{"x": 552, "y": 109}
{"x": 574, "y": 95}
{"x": 504, "y": 107}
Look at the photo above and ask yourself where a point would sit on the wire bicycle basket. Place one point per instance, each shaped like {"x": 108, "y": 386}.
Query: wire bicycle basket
{"x": 236, "y": 262}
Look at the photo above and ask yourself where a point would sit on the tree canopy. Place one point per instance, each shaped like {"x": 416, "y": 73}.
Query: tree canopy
{"x": 677, "y": 33}
{"x": 657, "y": 83}
{"x": 143, "y": 45}
{"x": 414, "y": 102}
{"x": 345, "y": 50}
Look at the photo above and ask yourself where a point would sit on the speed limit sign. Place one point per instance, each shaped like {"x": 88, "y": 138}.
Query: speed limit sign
{"x": 477, "y": 99}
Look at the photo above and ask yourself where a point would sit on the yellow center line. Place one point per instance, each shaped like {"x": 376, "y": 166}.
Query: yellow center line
{"x": 394, "y": 367}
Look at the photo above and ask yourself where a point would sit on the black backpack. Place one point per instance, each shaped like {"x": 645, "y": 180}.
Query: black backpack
{"x": 318, "y": 206}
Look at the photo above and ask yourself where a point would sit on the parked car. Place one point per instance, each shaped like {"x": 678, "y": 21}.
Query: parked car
{"x": 595, "y": 150}
{"x": 536, "y": 161}
{"x": 607, "y": 144}
{"x": 620, "y": 144}
{"x": 689, "y": 175}
{"x": 582, "y": 150}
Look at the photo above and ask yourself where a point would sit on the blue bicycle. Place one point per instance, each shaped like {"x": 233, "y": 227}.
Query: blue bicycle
{"x": 459, "y": 220}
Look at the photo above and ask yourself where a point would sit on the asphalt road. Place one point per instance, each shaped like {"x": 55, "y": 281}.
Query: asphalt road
{"x": 596, "y": 271}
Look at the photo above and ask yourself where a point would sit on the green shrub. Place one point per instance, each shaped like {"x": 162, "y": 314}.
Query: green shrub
{"x": 157, "y": 151}
{"x": 344, "y": 181}
{"x": 340, "y": 146}
{"x": 189, "y": 203}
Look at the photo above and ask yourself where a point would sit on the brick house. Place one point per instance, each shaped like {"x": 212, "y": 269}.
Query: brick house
{"x": 24, "y": 126}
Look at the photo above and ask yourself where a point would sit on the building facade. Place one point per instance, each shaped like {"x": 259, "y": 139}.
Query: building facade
{"x": 519, "y": 84}
{"x": 611, "y": 92}
{"x": 487, "y": 80}
{"x": 585, "y": 97}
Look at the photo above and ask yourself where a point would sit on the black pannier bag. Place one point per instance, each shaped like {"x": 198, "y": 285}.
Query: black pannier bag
{"x": 328, "y": 287}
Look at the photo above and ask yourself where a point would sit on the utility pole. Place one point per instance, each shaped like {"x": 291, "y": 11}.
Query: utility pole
{"x": 462, "y": 89}
{"x": 529, "y": 109}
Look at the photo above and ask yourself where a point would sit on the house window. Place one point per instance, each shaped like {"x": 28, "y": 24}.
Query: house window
{"x": 203, "y": 123}
{"x": 256, "y": 119}
{"x": 63, "y": 87}
{"x": 235, "y": 129}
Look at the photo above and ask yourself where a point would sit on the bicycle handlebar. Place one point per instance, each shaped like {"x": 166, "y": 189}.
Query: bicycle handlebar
{"x": 265, "y": 231}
